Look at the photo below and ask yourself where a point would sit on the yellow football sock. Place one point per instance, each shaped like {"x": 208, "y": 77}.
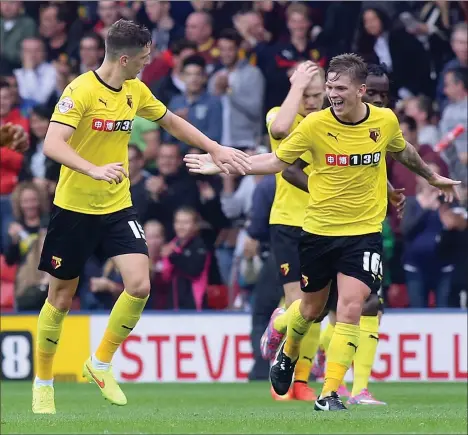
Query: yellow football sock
{"x": 364, "y": 358}
{"x": 281, "y": 322}
{"x": 343, "y": 346}
{"x": 309, "y": 346}
{"x": 326, "y": 336}
{"x": 123, "y": 318}
{"x": 49, "y": 327}
{"x": 297, "y": 329}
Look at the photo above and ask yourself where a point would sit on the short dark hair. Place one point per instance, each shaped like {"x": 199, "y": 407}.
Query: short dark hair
{"x": 182, "y": 44}
{"x": 378, "y": 70}
{"x": 410, "y": 121}
{"x": 125, "y": 35}
{"x": 195, "y": 59}
{"x": 350, "y": 64}
{"x": 231, "y": 35}
{"x": 96, "y": 37}
{"x": 460, "y": 74}
{"x": 4, "y": 83}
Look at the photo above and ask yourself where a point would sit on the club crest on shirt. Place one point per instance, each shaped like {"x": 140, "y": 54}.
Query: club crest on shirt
{"x": 285, "y": 269}
{"x": 130, "y": 101}
{"x": 374, "y": 134}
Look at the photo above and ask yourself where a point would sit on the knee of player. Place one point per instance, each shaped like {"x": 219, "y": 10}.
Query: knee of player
{"x": 61, "y": 292}
{"x": 310, "y": 311}
{"x": 371, "y": 306}
{"x": 139, "y": 288}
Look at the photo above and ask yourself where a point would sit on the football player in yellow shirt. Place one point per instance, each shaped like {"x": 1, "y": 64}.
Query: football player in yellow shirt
{"x": 343, "y": 221}
{"x": 306, "y": 95}
{"x": 93, "y": 214}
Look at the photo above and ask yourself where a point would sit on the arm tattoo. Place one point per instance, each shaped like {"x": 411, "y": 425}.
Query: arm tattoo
{"x": 410, "y": 158}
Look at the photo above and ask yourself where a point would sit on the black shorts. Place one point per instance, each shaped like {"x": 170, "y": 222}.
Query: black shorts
{"x": 72, "y": 238}
{"x": 285, "y": 241}
{"x": 322, "y": 257}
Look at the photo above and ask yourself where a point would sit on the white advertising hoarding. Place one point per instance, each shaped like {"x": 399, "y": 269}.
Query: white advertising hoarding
{"x": 216, "y": 348}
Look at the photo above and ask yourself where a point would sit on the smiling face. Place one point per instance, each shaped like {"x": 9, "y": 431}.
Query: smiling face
{"x": 343, "y": 93}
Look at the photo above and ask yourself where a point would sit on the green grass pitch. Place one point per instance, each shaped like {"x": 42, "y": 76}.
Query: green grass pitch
{"x": 233, "y": 409}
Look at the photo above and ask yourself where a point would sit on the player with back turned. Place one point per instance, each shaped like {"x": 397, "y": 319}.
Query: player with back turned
{"x": 343, "y": 221}
{"x": 92, "y": 212}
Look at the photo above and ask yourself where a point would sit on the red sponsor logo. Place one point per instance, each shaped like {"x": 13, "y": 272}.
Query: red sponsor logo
{"x": 330, "y": 159}
{"x": 98, "y": 124}
{"x": 343, "y": 160}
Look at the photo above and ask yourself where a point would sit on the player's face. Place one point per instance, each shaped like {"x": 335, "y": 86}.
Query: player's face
{"x": 134, "y": 64}
{"x": 377, "y": 89}
{"x": 184, "y": 225}
{"x": 343, "y": 93}
{"x": 312, "y": 100}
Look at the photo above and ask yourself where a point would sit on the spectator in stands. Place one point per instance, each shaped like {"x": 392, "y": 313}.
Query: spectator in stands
{"x": 420, "y": 108}
{"x": 199, "y": 29}
{"x": 108, "y": 12}
{"x": 91, "y": 52}
{"x": 430, "y": 228}
{"x": 241, "y": 87}
{"x": 14, "y": 29}
{"x": 31, "y": 284}
{"x": 9, "y": 112}
{"x": 284, "y": 56}
{"x": 196, "y": 105}
{"x": 38, "y": 168}
{"x": 186, "y": 263}
{"x": 37, "y": 79}
{"x": 53, "y": 28}
{"x": 23, "y": 105}
{"x": 138, "y": 176}
{"x": 163, "y": 27}
{"x": 160, "y": 289}
{"x": 11, "y": 161}
{"x": 147, "y": 137}
{"x": 172, "y": 83}
{"x": 379, "y": 42}
{"x": 171, "y": 189}
{"x": 456, "y": 113}
{"x": 30, "y": 212}
{"x": 100, "y": 285}
{"x": 459, "y": 44}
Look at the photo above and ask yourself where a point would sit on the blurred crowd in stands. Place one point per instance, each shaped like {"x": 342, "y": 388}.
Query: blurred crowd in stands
{"x": 222, "y": 66}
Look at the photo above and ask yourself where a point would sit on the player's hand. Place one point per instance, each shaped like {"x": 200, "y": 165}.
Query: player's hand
{"x": 14, "y": 137}
{"x": 112, "y": 173}
{"x": 398, "y": 200}
{"x": 201, "y": 164}
{"x": 304, "y": 74}
{"x": 239, "y": 160}
{"x": 445, "y": 185}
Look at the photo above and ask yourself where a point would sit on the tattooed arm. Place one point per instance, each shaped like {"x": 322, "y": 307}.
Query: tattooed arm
{"x": 410, "y": 158}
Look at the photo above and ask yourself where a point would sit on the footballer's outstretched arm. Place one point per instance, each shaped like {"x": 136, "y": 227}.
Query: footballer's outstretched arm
{"x": 57, "y": 149}
{"x": 222, "y": 156}
{"x": 410, "y": 158}
{"x": 261, "y": 164}
{"x": 296, "y": 176}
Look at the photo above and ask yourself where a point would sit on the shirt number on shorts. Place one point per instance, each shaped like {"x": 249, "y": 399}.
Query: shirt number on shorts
{"x": 372, "y": 263}
{"x": 137, "y": 229}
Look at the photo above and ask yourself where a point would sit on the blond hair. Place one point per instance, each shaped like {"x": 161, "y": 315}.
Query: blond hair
{"x": 16, "y": 198}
